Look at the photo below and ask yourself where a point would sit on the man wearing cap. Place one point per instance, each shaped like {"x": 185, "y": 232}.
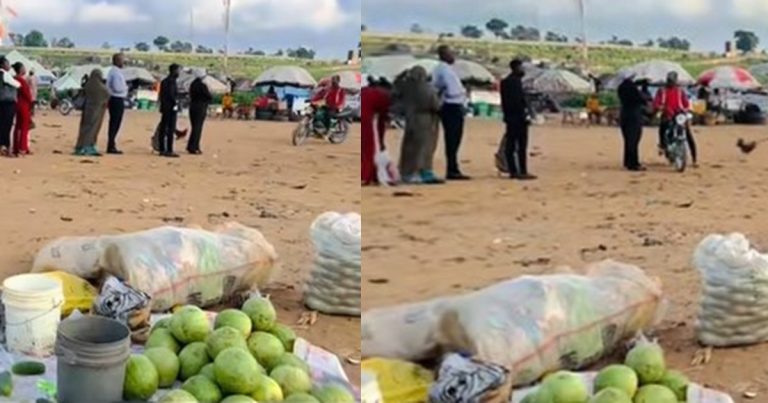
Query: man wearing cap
{"x": 633, "y": 103}
{"x": 118, "y": 92}
{"x": 169, "y": 108}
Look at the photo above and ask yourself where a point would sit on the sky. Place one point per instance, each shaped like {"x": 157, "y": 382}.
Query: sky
{"x": 331, "y": 27}
{"x": 706, "y": 23}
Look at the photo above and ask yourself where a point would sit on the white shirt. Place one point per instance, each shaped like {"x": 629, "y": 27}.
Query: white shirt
{"x": 116, "y": 83}
{"x": 448, "y": 85}
{"x": 9, "y": 79}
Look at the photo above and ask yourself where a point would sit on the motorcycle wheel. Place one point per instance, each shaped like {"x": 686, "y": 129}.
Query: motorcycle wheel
{"x": 65, "y": 108}
{"x": 339, "y": 135}
{"x": 681, "y": 159}
{"x": 301, "y": 133}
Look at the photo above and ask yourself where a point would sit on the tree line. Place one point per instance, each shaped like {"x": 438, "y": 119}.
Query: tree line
{"x": 36, "y": 39}
{"x": 744, "y": 41}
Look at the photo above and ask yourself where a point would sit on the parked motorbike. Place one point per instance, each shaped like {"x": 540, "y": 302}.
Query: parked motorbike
{"x": 67, "y": 105}
{"x": 677, "y": 144}
{"x": 313, "y": 125}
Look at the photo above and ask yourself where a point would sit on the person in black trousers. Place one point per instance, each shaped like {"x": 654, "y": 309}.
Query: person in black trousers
{"x": 169, "y": 108}
{"x": 633, "y": 104}
{"x": 454, "y": 97}
{"x": 516, "y": 117}
{"x": 200, "y": 98}
{"x": 118, "y": 92}
{"x": 8, "y": 91}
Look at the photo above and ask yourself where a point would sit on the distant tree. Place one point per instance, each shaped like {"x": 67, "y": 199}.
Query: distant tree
{"x": 555, "y": 37}
{"x": 416, "y": 28}
{"x": 279, "y": 53}
{"x": 363, "y": 28}
{"x": 746, "y": 41}
{"x": 161, "y": 42}
{"x": 62, "y": 43}
{"x": 674, "y": 43}
{"x": 254, "y": 52}
{"x": 621, "y": 42}
{"x": 106, "y": 45}
{"x": 471, "y": 31}
{"x": 35, "y": 39}
{"x": 522, "y": 33}
{"x": 445, "y": 35}
{"x": 181, "y": 47}
{"x": 301, "y": 53}
{"x": 203, "y": 49}
{"x": 142, "y": 47}
{"x": 16, "y": 39}
{"x": 649, "y": 43}
{"x": 497, "y": 27}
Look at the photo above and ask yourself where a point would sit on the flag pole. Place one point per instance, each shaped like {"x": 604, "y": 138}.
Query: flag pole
{"x": 584, "y": 45}
{"x": 227, "y": 5}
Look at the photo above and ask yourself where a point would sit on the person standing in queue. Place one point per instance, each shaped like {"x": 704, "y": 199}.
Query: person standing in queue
{"x": 118, "y": 92}
{"x": 9, "y": 89}
{"x": 169, "y": 108}
{"x": 453, "y": 97}
{"x": 517, "y": 119}
{"x": 200, "y": 98}
{"x": 633, "y": 104}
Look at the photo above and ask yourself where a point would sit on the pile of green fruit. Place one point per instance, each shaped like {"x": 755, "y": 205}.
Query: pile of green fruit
{"x": 644, "y": 378}
{"x": 245, "y": 358}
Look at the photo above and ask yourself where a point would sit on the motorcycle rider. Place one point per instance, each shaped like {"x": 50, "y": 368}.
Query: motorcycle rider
{"x": 671, "y": 100}
{"x": 334, "y": 98}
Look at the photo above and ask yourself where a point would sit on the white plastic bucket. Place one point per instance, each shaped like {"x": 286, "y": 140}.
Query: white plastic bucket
{"x": 32, "y": 313}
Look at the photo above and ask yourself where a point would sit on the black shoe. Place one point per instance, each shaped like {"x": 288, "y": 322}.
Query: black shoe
{"x": 114, "y": 151}
{"x": 457, "y": 177}
{"x": 195, "y": 152}
{"x": 527, "y": 177}
{"x": 171, "y": 155}
{"x": 638, "y": 168}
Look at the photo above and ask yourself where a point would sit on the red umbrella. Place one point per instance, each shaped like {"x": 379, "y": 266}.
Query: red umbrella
{"x": 729, "y": 77}
{"x": 350, "y": 80}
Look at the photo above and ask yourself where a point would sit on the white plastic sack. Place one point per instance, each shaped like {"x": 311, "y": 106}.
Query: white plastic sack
{"x": 733, "y": 308}
{"x": 172, "y": 265}
{"x": 531, "y": 325}
{"x": 334, "y": 284}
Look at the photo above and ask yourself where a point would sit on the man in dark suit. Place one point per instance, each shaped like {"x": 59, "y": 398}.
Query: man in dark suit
{"x": 633, "y": 105}
{"x": 517, "y": 119}
{"x": 169, "y": 108}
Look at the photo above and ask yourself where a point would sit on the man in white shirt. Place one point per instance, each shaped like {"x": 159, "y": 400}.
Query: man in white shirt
{"x": 118, "y": 92}
{"x": 8, "y": 89}
{"x": 453, "y": 97}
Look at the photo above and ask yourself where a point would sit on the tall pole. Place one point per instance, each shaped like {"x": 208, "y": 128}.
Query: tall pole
{"x": 584, "y": 45}
{"x": 192, "y": 29}
{"x": 227, "y": 5}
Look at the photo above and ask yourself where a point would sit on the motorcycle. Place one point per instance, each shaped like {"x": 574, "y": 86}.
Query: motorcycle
{"x": 312, "y": 124}
{"x": 676, "y": 149}
{"x": 67, "y": 105}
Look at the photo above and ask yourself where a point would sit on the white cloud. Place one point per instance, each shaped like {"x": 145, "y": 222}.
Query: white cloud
{"x": 750, "y": 9}
{"x": 45, "y": 11}
{"x": 106, "y": 13}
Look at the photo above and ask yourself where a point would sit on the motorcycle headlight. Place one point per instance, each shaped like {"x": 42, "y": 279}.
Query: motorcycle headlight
{"x": 681, "y": 119}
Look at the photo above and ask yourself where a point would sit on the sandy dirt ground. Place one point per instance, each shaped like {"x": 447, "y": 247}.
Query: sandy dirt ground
{"x": 250, "y": 173}
{"x": 445, "y": 240}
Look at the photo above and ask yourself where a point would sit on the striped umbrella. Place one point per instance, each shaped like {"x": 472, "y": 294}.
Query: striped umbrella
{"x": 729, "y": 77}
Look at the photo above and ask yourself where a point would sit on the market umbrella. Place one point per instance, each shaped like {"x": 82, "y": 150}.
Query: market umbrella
{"x": 655, "y": 72}
{"x": 350, "y": 80}
{"x": 473, "y": 72}
{"x": 286, "y": 76}
{"x": 560, "y": 82}
{"x": 138, "y": 74}
{"x": 729, "y": 77}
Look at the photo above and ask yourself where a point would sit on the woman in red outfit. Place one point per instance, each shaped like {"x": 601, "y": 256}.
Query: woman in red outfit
{"x": 24, "y": 105}
{"x": 374, "y": 114}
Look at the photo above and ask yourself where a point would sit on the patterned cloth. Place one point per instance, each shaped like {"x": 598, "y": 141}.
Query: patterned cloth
{"x": 465, "y": 380}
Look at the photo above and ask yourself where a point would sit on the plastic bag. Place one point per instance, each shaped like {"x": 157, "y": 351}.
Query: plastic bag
{"x": 172, "y": 265}
{"x": 696, "y": 393}
{"x": 334, "y": 284}
{"x": 398, "y": 381}
{"x": 466, "y": 380}
{"x": 118, "y": 301}
{"x": 78, "y": 293}
{"x": 531, "y": 325}
{"x": 733, "y": 309}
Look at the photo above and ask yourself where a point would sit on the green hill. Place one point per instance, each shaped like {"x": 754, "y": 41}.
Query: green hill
{"x": 240, "y": 66}
{"x": 602, "y": 58}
